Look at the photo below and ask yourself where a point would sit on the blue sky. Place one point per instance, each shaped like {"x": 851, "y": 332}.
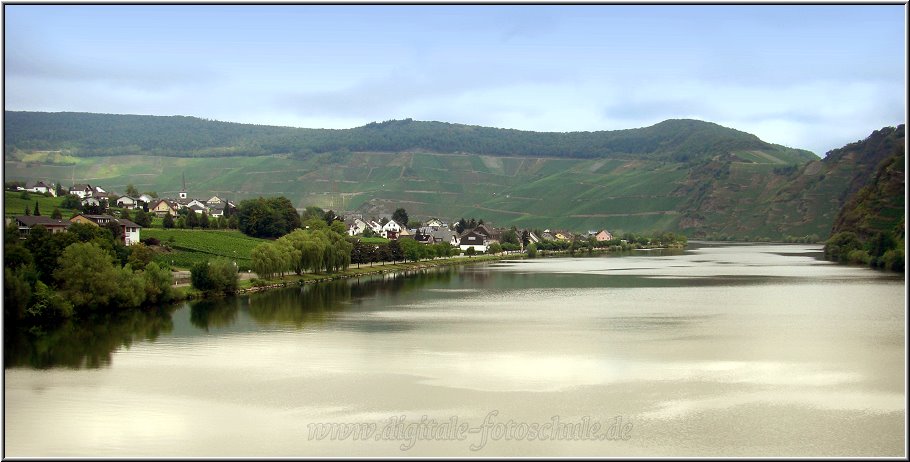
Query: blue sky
{"x": 814, "y": 77}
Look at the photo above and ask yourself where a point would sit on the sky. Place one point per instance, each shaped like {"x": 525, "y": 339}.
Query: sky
{"x": 814, "y": 77}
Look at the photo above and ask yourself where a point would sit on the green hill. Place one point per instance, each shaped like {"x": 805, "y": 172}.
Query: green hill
{"x": 680, "y": 175}
{"x": 83, "y": 134}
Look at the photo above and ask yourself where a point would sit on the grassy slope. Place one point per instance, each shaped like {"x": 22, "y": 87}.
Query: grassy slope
{"x": 191, "y": 246}
{"x": 617, "y": 194}
{"x": 14, "y": 205}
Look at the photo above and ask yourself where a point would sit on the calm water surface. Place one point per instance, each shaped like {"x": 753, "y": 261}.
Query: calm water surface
{"x": 722, "y": 350}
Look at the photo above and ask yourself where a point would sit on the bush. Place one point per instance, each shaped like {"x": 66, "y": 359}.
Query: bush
{"x": 532, "y": 251}
{"x": 859, "y": 256}
{"x": 215, "y": 276}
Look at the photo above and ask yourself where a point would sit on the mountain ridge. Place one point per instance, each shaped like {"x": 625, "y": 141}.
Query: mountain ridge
{"x": 88, "y": 134}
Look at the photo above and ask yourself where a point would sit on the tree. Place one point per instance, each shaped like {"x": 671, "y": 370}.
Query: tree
{"x": 27, "y": 212}
{"x": 71, "y": 202}
{"x": 125, "y": 214}
{"x": 532, "y": 251}
{"x": 140, "y": 256}
{"x": 131, "y": 191}
{"x": 273, "y": 217}
{"x": 470, "y": 252}
{"x": 59, "y": 189}
{"x": 400, "y": 216}
{"x": 204, "y": 221}
{"x": 143, "y": 219}
{"x": 494, "y": 248}
{"x": 56, "y": 215}
{"x": 192, "y": 220}
{"x": 158, "y": 282}
{"x": 168, "y": 221}
{"x": 37, "y": 212}
{"x": 214, "y": 276}
{"x": 86, "y": 275}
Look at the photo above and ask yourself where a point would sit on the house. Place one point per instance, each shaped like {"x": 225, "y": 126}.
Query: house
{"x": 91, "y": 201}
{"x": 356, "y": 226}
{"x": 473, "y": 239}
{"x": 38, "y": 187}
{"x": 214, "y": 200}
{"x": 434, "y": 223}
{"x": 164, "y": 207}
{"x": 375, "y": 226}
{"x": 444, "y": 235}
{"x": 533, "y": 238}
{"x": 390, "y": 230}
{"x": 603, "y": 235}
{"x": 184, "y": 202}
{"x": 129, "y": 230}
{"x": 127, "y": 202}
{"x": 146, "y": 198}
{"x": 547, "y": 236}
{"x": 81, "y": 190}
{"x": 563, "y": 235}
{"x": 27, "y": 222}
{"x": 215, "y": 210}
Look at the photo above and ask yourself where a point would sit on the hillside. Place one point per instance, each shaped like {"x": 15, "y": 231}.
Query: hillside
{"x": 765, "y": 192}
{"x": 82, "y": 134}
{"x": 879, "y": 206}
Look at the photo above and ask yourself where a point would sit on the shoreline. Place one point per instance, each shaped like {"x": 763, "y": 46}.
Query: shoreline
{"x": 248, "y": 286}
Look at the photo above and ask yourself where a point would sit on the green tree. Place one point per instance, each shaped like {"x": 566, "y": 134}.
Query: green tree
{"x": 27, "y": 212}
{"x": 131, "y": 191}
{"x": 37, "y": 212}
{"x": 400, "y": 216}
{"x": 71, "y": 202}
{"x": 143, "y": 219}
{"x": 214, "y": 276}
{"x": 86, "y": 276}
{"x": 494, "y": 248}
{"x": 168, "y": 221}
{"x": 204, "y": 221}
{"x": 532, "y": 251}
{"x": 470, "y": 252}
{"x": 158, "y": 283}
{"x": 192, "y": 220}
{"x": 56, "y": 215}
{"x": 140, "y": 256}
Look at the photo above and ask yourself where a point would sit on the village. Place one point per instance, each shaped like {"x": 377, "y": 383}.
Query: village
{"x": 101, "y": 208}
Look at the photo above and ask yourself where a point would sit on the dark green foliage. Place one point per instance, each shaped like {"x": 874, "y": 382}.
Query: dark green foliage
{"x": 37, "y": 212}
{"x": 144, "y": 219}
{"x": 400, "y": 216}
{"x": 168, "y": 221}
{"x": 103, "y": 134}
{"x": 268, "y": 218}
{"x": 71, "y": 202}
{"x": 214, "y": 276}
{"x": 56, "y": 214}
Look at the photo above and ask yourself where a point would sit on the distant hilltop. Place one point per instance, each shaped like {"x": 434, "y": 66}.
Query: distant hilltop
{"x": 86, "y": 134}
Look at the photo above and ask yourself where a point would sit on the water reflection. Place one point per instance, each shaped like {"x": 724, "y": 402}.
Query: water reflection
{"x": 87, "y": 343}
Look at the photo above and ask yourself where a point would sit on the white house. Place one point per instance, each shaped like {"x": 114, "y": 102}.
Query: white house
{"x": 129, "y": 230}
{"x": 146, "y": 198}
{"x": 81, "y": 190}
{"x": 127, "y": 202}
{"x": 356, "y": 227}
{"x": 214, "y": 200}
{"x": 391, "y": 230}
{"x": 473, "y": 239}
{"x": 38, "y": 187}
{"x": 89, "y": 200}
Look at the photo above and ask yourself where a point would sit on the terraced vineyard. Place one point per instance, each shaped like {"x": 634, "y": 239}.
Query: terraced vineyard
{"x": 191, "y": 246}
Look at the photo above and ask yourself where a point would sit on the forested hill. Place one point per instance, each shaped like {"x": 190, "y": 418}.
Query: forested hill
{"x": 877, "y": 207}
{"x": 84, "y": 134}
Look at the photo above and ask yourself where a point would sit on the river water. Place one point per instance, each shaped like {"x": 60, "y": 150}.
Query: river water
{"x": 719, "y": 350}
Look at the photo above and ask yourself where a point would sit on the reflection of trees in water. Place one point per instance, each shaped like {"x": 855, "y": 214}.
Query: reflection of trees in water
{"x": 87, "y": 343}
{"x": 315, "y": 303}
{"x": 214, "y": 313}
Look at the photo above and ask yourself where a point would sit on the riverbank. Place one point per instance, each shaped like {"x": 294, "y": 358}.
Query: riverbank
{"x": 254, "y": 284}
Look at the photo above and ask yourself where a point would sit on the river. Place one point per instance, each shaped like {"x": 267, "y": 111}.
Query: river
{"x": 719, "y": 350}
